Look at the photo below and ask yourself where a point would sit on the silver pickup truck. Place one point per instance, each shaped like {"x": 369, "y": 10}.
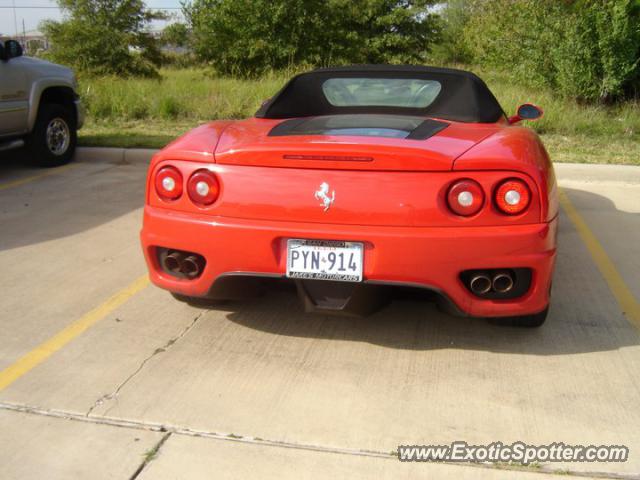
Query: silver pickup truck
{"x": 39, "y": 107}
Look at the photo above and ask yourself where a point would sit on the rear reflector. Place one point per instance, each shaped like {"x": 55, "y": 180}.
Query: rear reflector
{"x": 465, "y": 197}
{"x": 513, "y": 196}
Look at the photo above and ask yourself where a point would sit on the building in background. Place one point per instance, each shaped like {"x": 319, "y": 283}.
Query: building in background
{"x": 32, "y": 42}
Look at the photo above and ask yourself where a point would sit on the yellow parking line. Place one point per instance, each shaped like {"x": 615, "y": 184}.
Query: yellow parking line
{"x": 45, "y": 173}
{"x": 43, "y": 351}
{"x": 618, "y": 287}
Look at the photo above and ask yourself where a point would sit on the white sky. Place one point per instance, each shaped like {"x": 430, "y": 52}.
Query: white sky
{"x": 34, "y": 11}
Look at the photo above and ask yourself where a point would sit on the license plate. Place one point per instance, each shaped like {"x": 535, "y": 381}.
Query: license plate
{"x": 324, "y": 260}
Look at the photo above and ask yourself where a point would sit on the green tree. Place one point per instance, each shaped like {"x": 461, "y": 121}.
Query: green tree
{"x": 454, "y": 16}
{"x": 105, "y": 37}
{"x": 248, "y": 37}
{"x": 388, "y": 31}
{"x": 176, "y": 34}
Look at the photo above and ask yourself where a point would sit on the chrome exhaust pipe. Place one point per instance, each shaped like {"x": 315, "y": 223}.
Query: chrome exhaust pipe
{"x": 480, "y": 284}
{"x": 502, "y": 282}
{"x": 192, "y": 266}
{"x": 173, "y": 262}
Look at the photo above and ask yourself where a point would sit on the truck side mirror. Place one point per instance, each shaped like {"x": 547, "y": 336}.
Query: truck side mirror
{"x": 12, "y": 49}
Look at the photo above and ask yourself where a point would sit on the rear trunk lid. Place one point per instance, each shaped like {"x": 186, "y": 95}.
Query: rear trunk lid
{"x": 374, "y": 146}
{"x": 307, "y": 170}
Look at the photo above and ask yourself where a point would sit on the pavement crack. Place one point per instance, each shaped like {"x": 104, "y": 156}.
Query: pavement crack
{"x": 150, "y": 455}
{"x": 114, "y": 394}
{"x": 169, "y": 429}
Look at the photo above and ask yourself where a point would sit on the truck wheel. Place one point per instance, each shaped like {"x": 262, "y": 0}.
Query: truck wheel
{"x": 54, "y": 137}
{"x": 528, "y": 321}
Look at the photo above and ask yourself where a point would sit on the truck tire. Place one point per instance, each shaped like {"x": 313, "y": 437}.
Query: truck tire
{"x": 54, "y": 137}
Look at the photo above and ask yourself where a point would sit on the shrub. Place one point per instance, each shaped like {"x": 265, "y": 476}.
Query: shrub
{"x": 587, "y": 49}
{"x": 599, "y": 56}
{"x": 169, "y": 108}
{"x": 179, "y": 60}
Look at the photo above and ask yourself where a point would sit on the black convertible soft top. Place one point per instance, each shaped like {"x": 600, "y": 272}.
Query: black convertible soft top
{"x": 463, "y": 96}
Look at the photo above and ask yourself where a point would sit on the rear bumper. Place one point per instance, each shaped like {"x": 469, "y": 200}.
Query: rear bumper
{"x": 428, "y": 257}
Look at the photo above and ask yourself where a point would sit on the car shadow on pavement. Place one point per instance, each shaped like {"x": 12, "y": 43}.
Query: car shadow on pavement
{"x": 584, "y": 315}
{"x": 14, "y": 161}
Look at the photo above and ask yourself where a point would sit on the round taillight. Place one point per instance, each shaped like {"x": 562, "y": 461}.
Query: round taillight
{"x": 465, "y": 197}
{"x": 513, "y": 196}
{"x": 203, "y": 187}
{"x": 169, "y": 183}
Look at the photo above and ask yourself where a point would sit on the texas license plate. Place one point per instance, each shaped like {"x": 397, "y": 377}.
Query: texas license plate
{"x": 324, "y": 260}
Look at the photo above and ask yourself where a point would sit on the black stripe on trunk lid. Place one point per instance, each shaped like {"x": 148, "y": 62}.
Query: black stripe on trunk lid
{"x": 390, "y": 126}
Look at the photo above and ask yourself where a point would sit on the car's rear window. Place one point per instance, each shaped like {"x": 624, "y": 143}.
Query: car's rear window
{"x": 381, "y": 92}
{"x": 442, "y": 93}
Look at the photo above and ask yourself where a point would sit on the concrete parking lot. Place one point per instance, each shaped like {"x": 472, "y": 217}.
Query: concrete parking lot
{"x": 105, "y": 376}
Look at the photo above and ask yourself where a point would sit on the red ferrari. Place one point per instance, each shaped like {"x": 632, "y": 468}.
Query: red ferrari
{"x": 351, "y": 180}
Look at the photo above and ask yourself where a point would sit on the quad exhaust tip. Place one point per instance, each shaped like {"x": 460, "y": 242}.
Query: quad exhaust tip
{"x": 502, "y": 282}
{"x": 491, "y": 281}
{"x": 192, "y": 266}
{"x": 480, "y": 284}
{"x": 189, "y": 265}
{"x": 173, "y": 262}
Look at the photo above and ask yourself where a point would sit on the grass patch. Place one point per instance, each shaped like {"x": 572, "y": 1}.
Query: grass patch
{"x": 187, "y": 94}
{"x": 151, "y": 113}
{"x": 582, "y": 148}
{"x": 567, "y": 117}
{"x": 133, "y": 133}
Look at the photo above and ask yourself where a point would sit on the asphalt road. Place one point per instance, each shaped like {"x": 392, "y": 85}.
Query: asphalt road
{"x": 105, "y": 376}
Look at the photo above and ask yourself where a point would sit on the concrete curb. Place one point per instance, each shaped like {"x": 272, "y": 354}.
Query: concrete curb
{"x": 114, "y": 155}
{"x": 598, "y": 172}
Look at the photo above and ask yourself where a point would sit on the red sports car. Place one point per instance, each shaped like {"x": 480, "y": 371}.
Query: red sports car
{"x": 350, "y": 180}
